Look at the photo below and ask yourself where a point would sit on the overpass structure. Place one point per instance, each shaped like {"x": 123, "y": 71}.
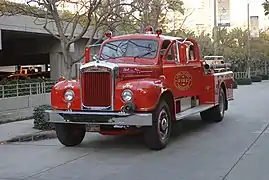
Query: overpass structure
{"x": 24, "y": 41}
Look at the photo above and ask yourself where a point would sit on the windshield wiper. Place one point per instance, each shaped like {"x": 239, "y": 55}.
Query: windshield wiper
{"x": 108, "y": 57}
{"x": 145, "y": 54}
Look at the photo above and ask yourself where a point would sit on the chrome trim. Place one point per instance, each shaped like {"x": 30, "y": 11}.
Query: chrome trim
{"x": 97, "y": 108}
{"x": 114, "y": 70}
{"x": 178, "y": 57}
{"x": 223, "y": 73}
{"x": 114, "y": 118}
{"x": 99, "y": 63}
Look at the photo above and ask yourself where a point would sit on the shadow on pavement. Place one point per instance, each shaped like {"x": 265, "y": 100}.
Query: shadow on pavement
{"x": 180, "y": 130}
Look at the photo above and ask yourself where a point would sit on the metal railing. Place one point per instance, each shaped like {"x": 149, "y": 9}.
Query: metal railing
{"x": 25, "y": 89}
{"x": 238, "y": 75}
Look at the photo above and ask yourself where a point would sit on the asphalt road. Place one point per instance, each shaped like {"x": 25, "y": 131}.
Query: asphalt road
{"x": 235, "y": 149}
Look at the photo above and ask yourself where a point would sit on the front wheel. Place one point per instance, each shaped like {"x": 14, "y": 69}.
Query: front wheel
{"x": 157, "y": 136}
{"x": 216, "y": 114}
{"x": 70, "y": 134}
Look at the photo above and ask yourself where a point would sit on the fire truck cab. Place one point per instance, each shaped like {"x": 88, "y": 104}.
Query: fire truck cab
{"x": 139, "y": 83}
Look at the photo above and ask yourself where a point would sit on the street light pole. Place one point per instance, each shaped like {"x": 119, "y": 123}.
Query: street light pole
{"x": 248, "y": 44}
{"x": 215, "y": 29}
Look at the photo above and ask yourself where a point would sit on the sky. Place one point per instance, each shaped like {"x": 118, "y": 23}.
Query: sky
{"x": 239, "y": 11}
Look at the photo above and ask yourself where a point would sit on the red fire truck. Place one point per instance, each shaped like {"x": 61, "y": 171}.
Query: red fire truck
{"x": 139, "y": 83}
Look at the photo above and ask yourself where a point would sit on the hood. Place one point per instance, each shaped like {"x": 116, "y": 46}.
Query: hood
{"x": 139, "y": 67}
{"x": 136, "y": 70}
{"x": 128, "y": 68}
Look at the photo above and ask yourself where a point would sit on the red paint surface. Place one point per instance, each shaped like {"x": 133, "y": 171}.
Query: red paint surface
{"x": 147, "y": 78}
{"x": 57, "y": 95}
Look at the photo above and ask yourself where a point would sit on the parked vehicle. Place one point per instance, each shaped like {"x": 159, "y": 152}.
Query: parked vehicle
{"x": 139, "y": 83}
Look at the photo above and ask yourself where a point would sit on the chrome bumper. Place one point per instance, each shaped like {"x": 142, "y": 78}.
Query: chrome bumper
{"x": 100, "y": 118}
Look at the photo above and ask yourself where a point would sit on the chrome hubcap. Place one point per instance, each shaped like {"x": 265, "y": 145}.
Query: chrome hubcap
{"x": 221, "y": 103}
{"x": 163, "y": 124}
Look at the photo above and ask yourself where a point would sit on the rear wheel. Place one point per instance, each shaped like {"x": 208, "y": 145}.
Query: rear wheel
{"x": 157, "y": 136}
{"x": 215, "y": 114}
{"x": 70, "y": 134}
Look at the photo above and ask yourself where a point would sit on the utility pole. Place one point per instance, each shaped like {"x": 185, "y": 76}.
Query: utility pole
{"x": 248, "y": 44}
{"x": 215, "y": 29}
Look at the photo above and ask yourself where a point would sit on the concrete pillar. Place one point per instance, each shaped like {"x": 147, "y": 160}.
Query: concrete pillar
{"x": 56, "y": 65}
{"x": 79, "y": 48}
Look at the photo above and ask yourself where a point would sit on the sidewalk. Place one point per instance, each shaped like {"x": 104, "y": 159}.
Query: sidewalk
{"x": 14, "y": 115}
{"x": 22, "y": 131}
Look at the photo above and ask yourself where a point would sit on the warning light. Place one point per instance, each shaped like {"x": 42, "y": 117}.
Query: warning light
{"x": 149, "y": 30}
{"x": 62, "y": 78}
{"x": 109, "y": 34}
{"x": 159, "y": 31}
{"x": 87, "y": 55}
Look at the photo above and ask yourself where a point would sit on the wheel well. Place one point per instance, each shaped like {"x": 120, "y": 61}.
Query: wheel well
{"x": 224, "y": 89}
{"x": 169, "y": 98}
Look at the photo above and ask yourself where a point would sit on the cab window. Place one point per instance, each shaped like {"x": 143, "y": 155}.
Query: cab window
{"x": 164, "y": 47}
{"x": 190, "y": 53}
{"x": 172, "y": 54}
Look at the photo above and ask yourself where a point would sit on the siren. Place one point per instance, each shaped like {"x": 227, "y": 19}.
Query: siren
{"x": 159, "y": 31}
{"x": 149, "y": 30}
{"x": 108, "y": 34}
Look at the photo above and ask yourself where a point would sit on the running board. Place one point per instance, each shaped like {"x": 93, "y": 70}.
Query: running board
{"x": 193, "y": 111}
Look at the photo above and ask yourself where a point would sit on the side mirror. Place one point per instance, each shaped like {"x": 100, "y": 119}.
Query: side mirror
{"x": 206, "y": 66}
{"x": 182, "y": 53}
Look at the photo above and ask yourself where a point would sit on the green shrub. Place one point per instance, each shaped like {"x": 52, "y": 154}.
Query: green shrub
{"x": 13, "y": 81}
{"x": 244, "y": 81}
{"x": 41, "y": 118}
{"x": 256, "y": 78}
{"x": 234, "y": 84}
{"x": 264, "y": 77}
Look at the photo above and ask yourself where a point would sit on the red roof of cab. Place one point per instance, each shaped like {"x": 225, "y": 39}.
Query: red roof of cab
{"x": 143, "y": 36}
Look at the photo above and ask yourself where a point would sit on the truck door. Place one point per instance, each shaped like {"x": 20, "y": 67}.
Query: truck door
{"x": 183, "y": 77}
{"x": 190, "y": 76}
{"x": 171, "y": 65}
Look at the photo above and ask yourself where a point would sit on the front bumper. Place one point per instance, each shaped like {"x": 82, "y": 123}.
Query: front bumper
{"x": 100, "y": 118}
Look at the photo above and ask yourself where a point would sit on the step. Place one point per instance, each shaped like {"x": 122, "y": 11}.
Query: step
{"x": 193, "y": 111}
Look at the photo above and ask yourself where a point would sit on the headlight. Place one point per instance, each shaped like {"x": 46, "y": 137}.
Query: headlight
{"x": 127, "y": 95}
{"x": 69, "y": 95}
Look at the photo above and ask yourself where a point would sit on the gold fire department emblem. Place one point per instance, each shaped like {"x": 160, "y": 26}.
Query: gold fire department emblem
{"x": 183, "y": 80}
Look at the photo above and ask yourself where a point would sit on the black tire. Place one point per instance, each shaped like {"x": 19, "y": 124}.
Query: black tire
{"x": 70, "y": 134}
{"x": 216, "y": 114}
{"x": 157, "y": 136}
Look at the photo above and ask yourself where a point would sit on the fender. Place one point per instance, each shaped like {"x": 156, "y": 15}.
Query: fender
{"x": 147, "y": 93}
{"x": 224, "y": 80}
{"x": 57, "y": 95}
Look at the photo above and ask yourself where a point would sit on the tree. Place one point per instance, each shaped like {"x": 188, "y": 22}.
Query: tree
{"x": 233, "y": 46}
{"x": 92, "y": 17}
{"x": 205, "y": 44}
{"x": 152, "y": 12}
{"x": 266, "y": 7}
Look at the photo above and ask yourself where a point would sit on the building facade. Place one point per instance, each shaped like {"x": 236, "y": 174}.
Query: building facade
{"x": 199, "y": 15}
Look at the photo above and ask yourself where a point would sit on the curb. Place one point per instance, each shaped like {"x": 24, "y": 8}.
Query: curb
{"x": 43, "y": 135}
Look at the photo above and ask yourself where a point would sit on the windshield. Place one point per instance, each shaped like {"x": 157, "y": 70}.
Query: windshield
{"x": 130, "y": 48}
